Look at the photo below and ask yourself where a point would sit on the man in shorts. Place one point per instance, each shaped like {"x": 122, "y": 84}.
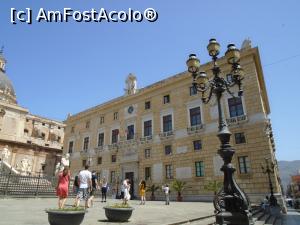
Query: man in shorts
{"x": 85, "y": 185}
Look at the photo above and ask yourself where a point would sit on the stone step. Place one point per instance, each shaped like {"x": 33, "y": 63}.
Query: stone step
{"x": 278, "y": 221}
{"x": 264, "y": 219}
{"x": 258, "y": 216}
{"x": 271, "y": 220}
{"x": 206, "y": 221}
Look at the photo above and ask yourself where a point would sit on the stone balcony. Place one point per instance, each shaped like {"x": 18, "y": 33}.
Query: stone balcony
{"x": 84, "y": 153}
{"x": 128, "y": 142}
{"x": 166, "y": 135}
{"x": 195, "y": 129}
{"x": 113, "y": 146}
{"x": 146, "y": 140}
{"x": 237, "y": 120}
{"x": 100, "y": 149}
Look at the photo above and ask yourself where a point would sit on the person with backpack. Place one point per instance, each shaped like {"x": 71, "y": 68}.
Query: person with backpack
{"x": 95, "y": 187}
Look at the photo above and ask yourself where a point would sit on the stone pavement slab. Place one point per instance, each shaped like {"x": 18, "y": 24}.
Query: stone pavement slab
{"x": 32, "y": 212}
{"x": 292, "y": 217}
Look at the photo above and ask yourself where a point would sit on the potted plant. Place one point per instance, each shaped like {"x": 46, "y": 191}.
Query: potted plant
{"x": 213, "y": 186}
{"x": 66, "y": 216}
{"x": 178, "y": 186}
{"x": 153, "y": 188}
{"x": 118, "y": 212}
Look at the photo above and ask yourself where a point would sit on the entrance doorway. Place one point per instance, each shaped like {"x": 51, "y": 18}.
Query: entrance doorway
{"x": 130, "y": 176}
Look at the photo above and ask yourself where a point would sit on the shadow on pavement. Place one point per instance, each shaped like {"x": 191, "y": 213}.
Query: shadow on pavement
{"x": 106, "y": 221}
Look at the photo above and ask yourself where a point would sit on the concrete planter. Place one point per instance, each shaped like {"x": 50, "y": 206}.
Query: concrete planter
{"x": 58, "y": 217}
{"x": 118, "y": 214}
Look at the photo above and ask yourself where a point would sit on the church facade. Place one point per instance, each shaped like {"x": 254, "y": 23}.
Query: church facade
{"x": 29, "y": 144}
{"x": 164, "y": 132}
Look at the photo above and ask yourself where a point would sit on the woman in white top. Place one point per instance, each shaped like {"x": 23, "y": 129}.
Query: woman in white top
{"x": 127, "y": 196}
{"x": 166, "y": 190}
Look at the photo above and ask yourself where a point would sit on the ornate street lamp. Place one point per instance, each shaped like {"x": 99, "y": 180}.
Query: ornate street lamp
{"x": 231, "y": 203}
{"x": 268, "y": 170}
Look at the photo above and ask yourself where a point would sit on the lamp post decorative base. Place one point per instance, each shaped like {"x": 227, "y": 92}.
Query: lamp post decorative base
{"x": 235, "y": 218}
{"x": 231, "y": 203}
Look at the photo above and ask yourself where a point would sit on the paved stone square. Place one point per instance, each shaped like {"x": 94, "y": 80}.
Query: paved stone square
{"x": 31, "y": 211}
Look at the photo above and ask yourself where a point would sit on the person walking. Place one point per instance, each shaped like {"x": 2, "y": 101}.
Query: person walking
{"x": 75, "y": 185}
{"x": 62, "y": 188}
{"x": 75, "y": 188}
{"x": 95, "y": 187}
{"x": 85, "y": 184}
{"x": 166, "y": 190}
{"x": 104, "y": 188}
{"x": 122, "y": 191}
{"x": 127, "y": 196}
{"x": 142, "y": 187}
{"x": 266, "y": 203}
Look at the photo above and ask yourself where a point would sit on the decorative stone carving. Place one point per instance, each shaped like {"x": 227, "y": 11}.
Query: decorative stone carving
{"x": 2, "y": 112}
{"x": 65, "y": 161}
{"x": 36, "y": 132}
{"x": 5, "y": 154}
{"x": 57, "y": 168}
{"x": 53, "y": 136}
{"x": 25, "y": 166}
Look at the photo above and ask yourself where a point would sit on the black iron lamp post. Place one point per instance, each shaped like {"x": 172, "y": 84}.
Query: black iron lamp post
{"x": 269, "y": 170}
{"x": 231, "y": 203}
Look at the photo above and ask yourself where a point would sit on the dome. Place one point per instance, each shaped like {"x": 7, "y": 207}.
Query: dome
{"x": 7, "y": 92}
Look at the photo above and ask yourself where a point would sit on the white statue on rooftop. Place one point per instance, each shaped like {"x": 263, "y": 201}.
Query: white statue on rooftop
{"x": 246, "y": 44}
{"x": 131, "y": 84}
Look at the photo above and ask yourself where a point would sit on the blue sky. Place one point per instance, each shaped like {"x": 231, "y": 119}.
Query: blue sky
{"x": 57, "y": 68}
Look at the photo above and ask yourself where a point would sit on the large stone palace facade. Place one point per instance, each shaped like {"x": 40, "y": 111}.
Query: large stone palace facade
{"x": 29, "y": 144}
{"x": 164, "y": 131}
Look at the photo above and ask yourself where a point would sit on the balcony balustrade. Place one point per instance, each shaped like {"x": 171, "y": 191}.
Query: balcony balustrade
{"x": 237, "y": 120}
{"x": 195, "y": 129}
{"x": 166, "y": 135}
